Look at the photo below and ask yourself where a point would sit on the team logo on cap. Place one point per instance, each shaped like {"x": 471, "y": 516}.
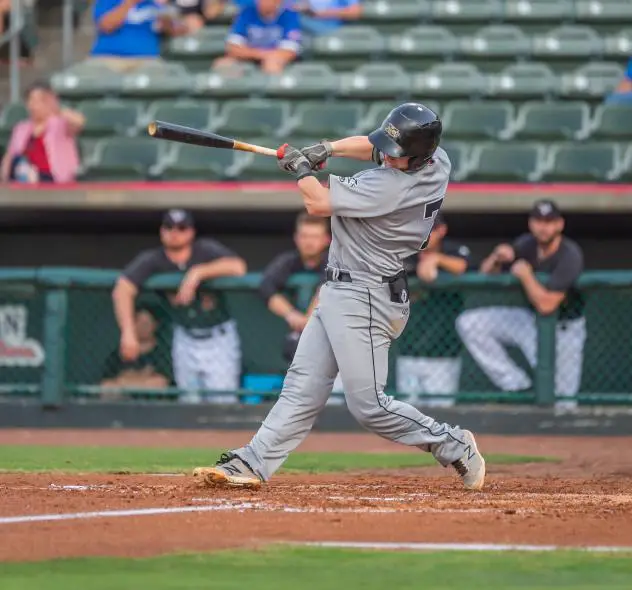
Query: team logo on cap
{"x": 545, "y": 208}
{"x": 392, "y": 131}
{"x": 178, "y": 215}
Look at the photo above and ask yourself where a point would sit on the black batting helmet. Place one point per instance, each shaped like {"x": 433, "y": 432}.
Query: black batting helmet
{"x": 411, "y": 129}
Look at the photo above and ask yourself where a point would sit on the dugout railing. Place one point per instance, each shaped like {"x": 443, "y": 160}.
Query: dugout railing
{"x": 57, "y": 332}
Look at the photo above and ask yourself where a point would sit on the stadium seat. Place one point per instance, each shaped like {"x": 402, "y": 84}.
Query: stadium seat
{"x": 262, "y": 168}
{"x": 12, "y": 114}
{"x": 613, "y": 122}
{"x": 119, "y": 158}
{"x": 303, "y": 80}
{"x": 465, "y": 119}
{"x": 523, "y": 80}
{"x": 379, "y": 80}
{"x": 191, "y": 162}
{"x": 466, "y": 10}
{"x": 449, "y": 79}
{"x": 598, "y": 11}
{"x": 183, "y": 112}
{"x": 560, "y": 120}
{"x": 253, "y": 117}
{"x": 626, "y": 166}
{"x": 583, "y": 163}
{"x": 208, "y": 43}
{"x": 567, "y": 41}
{"x": 496, "y": 41}
{"x": 378, "y": 111}
{"x": 619, "y": 45}
{"x": 353, "y": 40}
{"x": 240, "y": 81}
{"x": 594, "y": 80}
{"x": 87, "y": 80}
{"x": 166, "y": 79}
{"x": 458, "y": 154}
{"x": 538, "y": 10}
{"x": 423, "y": 41}
{"x": 493, "y": 162}
{"x": 87, "y": 148}
{"x": 326, "y": 120}
{"x": 109, "y": 117}
{"x": 383, "y": 11}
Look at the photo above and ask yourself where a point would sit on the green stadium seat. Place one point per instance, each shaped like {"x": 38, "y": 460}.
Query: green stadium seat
{"x": 494, "y": 162}
{"x": 593, "y": 80}
{"x": 351, "y": 40}
{"x": 567, "y": 41}
{"x": 538, "y": 10}
{"x": 191, "y": 113}
{"x": 383, "y": 11}
{"x": 449, "y": 79}
{"x": 240, "y": 81}
{"x": 191, "y": 162}
{"x": 466, "y": 119}
{"x": 158, "y": 80}
{"x": 496, "y": 41}
{"x": 523, "y": 80}
{"x": 561, "y": 120}
{"x": 109, "y": 117}
{"x": 379, "y": 80}
{"x": 331, "y": 120}
{"x": 626, "y": 166}
{"x": 87, "y": 148}
{"x": 458, "y": 154}
{"x": 612, "y": 122}
{"x": 598, "y": 11}
{"x": 87, "y": 80}
{"x": 423, "y": 41}
{"x": 583, "y": 163}
{"x": 378, "y": 111}
{"x": 208, "y": 43}
{"x": 466, "y": 10}
{"x": 303, "y": 80}
{"x": 12, "y": 114}
{"x": 119, "y": 158}
{"x": 619, "y": 45}
{"x": 253, "y": 117}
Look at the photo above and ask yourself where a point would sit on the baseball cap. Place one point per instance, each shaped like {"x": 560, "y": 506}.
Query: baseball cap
{"x": 545, "y": 209}
{"x": 179, "y": 217}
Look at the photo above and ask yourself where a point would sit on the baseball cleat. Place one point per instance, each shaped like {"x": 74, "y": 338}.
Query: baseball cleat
{"x": 471, "y": 466}
{"x": 230, "y": 470}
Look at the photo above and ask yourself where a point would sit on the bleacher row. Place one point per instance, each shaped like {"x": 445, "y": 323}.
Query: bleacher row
{"x": 486, "y": 140}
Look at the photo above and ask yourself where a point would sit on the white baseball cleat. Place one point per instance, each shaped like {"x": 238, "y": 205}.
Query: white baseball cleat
{"x": 471, "y": 466}
{"x": 230, "y": 470}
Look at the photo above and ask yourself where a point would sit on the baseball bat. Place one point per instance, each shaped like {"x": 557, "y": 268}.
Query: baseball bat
{"x": 183, "y": 134}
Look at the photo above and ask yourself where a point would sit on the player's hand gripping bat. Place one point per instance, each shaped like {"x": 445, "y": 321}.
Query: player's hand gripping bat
{"x": 183, "y": 134}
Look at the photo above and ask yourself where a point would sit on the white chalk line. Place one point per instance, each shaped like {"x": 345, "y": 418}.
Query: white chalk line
{"x": 460, "y": 547}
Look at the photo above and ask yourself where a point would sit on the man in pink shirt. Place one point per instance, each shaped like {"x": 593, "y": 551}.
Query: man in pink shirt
{"x": 43, "y": 148}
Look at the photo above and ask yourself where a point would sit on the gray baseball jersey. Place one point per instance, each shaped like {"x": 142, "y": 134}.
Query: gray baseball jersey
{"x": 382, "y": 215}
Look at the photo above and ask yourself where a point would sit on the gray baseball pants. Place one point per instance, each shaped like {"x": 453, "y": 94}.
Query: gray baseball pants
{"x": 350, "y": 331}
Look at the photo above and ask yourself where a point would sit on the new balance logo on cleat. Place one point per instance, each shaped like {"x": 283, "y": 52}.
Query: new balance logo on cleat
{"x": 232, "y": 469}
{"x": 471, "y": 465}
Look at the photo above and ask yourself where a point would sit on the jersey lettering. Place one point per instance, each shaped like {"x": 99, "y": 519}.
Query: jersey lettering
{"x": 430, "y": 210}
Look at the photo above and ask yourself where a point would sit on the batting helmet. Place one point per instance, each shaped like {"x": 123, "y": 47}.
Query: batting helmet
{"x": 411, "y": 129}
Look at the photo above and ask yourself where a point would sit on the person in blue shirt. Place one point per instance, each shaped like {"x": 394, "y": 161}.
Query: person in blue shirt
{"x": 319, "y": 17}
{"x": 623, "y": 92}
{"x": 266, "y": 33}
{"x": 128, "y": 32}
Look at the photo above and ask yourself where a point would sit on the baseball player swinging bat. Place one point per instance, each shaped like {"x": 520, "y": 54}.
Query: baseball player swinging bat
{"x": 183, "y": 134}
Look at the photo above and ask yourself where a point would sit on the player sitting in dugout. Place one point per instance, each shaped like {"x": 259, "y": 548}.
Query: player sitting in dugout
{"x": 429, "y": 360}
{"x": 266, "y": 33}
{"x": 488, "y": 331}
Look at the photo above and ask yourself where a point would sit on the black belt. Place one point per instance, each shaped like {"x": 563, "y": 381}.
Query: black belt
{"x": 335, "y": 274}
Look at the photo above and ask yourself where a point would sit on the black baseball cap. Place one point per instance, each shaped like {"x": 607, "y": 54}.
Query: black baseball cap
{"x": 545, "y": 209}
{"x": 178, "y": 217}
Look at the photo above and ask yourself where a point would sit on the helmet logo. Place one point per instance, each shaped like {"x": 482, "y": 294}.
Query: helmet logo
{"x": 392, "y": 131}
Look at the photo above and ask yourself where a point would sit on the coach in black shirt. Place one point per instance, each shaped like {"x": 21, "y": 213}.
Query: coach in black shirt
{"x": 206, "y": 351}
{"x": 487, "y": 331}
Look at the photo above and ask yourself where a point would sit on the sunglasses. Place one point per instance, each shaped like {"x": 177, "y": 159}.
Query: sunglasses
{"x": 176, "y": 226}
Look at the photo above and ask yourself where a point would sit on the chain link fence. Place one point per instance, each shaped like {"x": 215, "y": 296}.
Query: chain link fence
{"x": 468, "y": 339}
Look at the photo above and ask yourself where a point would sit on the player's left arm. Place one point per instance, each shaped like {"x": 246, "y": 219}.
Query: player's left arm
{"x": 316, "y": 197}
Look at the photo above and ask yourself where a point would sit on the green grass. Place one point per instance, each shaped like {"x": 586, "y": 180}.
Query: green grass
{"x": 159, "y": 460}
{"x": 329, "y": 569}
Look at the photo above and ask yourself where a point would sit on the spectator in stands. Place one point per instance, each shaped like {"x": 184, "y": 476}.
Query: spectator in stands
{"x": 266, "y": 33}
{"x": 43, "y": 148}
{"x": 487, "y": 331}
{"x": 623, "y": 92}
{"x": 198, "y": 13}
{"x": 311, "y": 238}
{"x": 150, "y": 370}
{"x": 430, "y": 361}
{"x": 128, "y": 32}
{"x": 319, "y": 17}
{"x": 206, "y": 351}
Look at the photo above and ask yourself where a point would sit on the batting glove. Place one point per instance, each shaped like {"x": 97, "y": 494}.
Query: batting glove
{"x": 317, "y": 154}
{"x": 293, "y": 161}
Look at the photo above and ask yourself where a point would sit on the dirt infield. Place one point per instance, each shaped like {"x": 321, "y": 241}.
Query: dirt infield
{"x": 584, "y": 500}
